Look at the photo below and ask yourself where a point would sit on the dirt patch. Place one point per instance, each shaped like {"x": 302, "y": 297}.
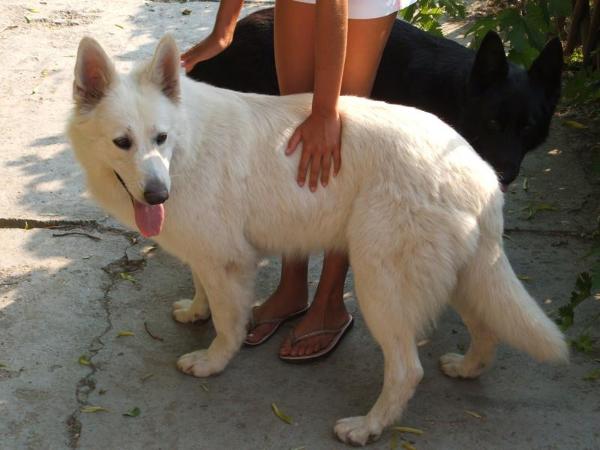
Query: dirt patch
{"x": 61, "y": 19}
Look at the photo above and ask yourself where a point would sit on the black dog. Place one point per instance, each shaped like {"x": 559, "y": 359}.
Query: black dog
{"x": 501, "y": 109}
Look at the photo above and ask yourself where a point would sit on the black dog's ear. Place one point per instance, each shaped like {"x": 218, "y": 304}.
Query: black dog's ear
{"x": 547, "y": 67}
{"x": 490, "y": 62}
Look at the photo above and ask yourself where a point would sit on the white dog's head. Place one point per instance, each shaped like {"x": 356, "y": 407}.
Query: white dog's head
{"x": 123, "y": 128}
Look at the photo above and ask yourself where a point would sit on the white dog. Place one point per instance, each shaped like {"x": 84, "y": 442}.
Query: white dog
{"x": 418, "y": 211}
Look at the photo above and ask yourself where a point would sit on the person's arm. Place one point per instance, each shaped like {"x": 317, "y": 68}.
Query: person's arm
{"x": 321, "y": 132}
{"x": 220, "y": 37}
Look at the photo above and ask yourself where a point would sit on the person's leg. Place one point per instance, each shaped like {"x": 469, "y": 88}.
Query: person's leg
{"x": 294, "y": 57}
{"x": 366, "y": 41}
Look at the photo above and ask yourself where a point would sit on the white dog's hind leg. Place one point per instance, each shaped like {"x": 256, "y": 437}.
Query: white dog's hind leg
{"x": 186, "y": 310}
{"x": 402, "y": 374}
{"x": 402, "y": 371}
{"x": 230, "y": 293}
{"x": 480, "y": 355}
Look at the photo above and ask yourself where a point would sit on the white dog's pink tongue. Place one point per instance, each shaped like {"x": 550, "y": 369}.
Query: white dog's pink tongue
{"x": 149, "y": 218}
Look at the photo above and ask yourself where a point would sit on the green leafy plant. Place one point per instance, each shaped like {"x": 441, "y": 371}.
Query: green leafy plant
{"x": 525, "y": 27}
{"x": 583, "y": 290}
{"x": 426, "y": 14}
{"x": 582, "y": 86}
{"x": 587, "y": 286}
{"x": 583, "y": 343}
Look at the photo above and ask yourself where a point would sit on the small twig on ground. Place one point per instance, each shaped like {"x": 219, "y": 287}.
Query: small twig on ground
{"x": 95, "y": 238}
{"x": 153, "y": 336}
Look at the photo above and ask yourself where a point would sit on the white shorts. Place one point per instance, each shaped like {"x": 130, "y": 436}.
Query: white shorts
{"x": 371, "y": 9}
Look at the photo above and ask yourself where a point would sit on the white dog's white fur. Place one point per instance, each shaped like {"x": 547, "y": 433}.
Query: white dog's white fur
{"x": 418, "y": 211}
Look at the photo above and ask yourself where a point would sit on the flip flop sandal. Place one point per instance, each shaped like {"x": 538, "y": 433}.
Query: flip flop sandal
{"x": 275, "y": 322}
{"x": 338, "y": 333}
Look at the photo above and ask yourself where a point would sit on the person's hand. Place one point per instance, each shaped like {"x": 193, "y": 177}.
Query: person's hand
{"x": 203, "y": 50}
{"x": 320, "y": 135}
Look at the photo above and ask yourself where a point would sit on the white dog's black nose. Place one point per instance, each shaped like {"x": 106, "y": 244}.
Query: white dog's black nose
{"x": 156, "y": 192}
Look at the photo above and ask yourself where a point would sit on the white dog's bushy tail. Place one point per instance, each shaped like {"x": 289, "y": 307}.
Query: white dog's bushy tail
{"x": 492, "y": 289}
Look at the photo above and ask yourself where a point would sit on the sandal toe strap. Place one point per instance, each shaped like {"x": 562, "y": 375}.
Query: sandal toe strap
{"x": 296, "y": 339}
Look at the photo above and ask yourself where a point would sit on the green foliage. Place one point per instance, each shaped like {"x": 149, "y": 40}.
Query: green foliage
{"x": 593, "y": 375}
{"x": 583, "y": 290}
{"x": 525, "y": 27}
{"x": 583, "y": 86}
{"x": 587, "y": 286}
{"x": 426, "y": 14}
{"x": 584, "y": 343}
{"x": 595, "y": 269}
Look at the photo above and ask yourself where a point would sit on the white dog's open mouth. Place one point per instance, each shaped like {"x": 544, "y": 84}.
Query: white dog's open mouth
{"x": 148, "y": 218}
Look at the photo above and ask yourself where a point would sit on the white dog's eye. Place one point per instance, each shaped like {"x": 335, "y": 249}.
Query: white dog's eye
{"x": 123, "y": 142}
{"x": 162, "y": 137}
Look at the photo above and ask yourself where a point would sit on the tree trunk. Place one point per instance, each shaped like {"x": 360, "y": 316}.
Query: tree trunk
{"x": 581, "y": 11}
{"x": 591, "y": 40}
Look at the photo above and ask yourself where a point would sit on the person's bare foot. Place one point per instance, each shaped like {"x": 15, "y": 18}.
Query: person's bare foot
{"x": 282, "y": 303}
{"x": 325, "y": 313}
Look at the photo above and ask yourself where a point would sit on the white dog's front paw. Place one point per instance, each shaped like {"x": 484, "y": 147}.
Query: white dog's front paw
{"x": 357, "y": 430}
{"x": 454, "y": 365}
{"x": 187, "y": 311}
{"x": 201, "y": 363}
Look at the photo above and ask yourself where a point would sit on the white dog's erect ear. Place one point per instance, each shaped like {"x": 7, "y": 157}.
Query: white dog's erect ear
{"x": 94, "y": 72}
{"x": 164, "y": 69}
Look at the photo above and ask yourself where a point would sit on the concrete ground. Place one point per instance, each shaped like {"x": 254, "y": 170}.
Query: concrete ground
{"x": 66, "y": 293}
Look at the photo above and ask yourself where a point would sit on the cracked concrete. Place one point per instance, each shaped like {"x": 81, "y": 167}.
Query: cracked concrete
{"x": 71, "y": 279}
{"x": 46, "y": 319}
{"x": 87, "y": 384}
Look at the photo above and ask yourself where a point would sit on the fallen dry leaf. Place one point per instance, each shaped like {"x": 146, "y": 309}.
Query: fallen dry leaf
{"x": 285, "y": 418}
{"x": 533, "y": 208}
{"x": 128, "y": 277}
{"x": 575, "y": 124}
{"x": 474, "y": 414}
{"x": 394, "y": 442}
{"x": 408, "y": 430}
{"x": 134, "y": 412}
{"x": 125, "y": 333}
{"x": 146, "y": 377}
{"x": 93, "y": 409}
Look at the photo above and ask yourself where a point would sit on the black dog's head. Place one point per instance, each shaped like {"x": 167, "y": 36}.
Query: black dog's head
{"x": 508, "y": 109}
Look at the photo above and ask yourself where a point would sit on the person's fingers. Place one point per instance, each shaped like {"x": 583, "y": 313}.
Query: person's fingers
{"x": 325, "y": 168}
{"x": 294, "y": 141}
{"x": 303, "y": 166}
{"x": 187, "y": 61}
{"x": 337, "y": 159}
{"x": 315, "y": 168}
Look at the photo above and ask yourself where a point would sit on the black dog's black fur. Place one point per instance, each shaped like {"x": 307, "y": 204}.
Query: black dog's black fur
{"x": 501, "y": 109}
